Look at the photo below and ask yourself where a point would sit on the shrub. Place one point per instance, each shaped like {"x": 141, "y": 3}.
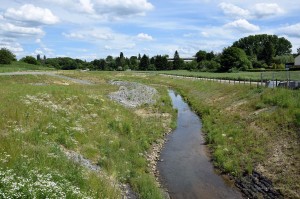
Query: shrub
{"x": 234, "y": 57}
{"x": 29, "y": 60}
{"x": 210, "y": 66}
{"x": 6, "y": 56}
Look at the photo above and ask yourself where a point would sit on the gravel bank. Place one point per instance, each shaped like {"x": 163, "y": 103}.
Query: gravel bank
{"x": 132, "y": 94}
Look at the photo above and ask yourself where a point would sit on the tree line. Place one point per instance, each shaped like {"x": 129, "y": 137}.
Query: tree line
{"x": 252, "y": 52}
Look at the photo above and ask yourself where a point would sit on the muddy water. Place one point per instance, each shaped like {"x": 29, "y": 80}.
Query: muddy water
{"x": 185, "y": 169}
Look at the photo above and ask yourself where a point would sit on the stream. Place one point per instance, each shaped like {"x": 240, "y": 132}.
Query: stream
{"x": 185, "y": 168}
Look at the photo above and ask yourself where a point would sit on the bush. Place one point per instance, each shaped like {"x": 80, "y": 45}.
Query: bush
{"x": 210, "y": 66}
{"x": 234, "y": 57}
{"x": 6, "y": 56}
{"x": 29, "y": 60}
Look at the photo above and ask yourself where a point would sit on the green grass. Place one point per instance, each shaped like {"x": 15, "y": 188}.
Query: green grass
{"x": 38, "y": 120}
{"x": 21, "y": 66}
{"x": 248, "y": 128}
{"x": 254, "y": 76}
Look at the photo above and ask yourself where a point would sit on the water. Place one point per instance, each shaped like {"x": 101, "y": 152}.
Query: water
{"x": 186, "y": 170}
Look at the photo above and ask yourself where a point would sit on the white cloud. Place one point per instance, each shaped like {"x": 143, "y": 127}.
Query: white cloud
{"x": 120, "y": 46}
{"x": 144, "y": 36}
{"x": 87, "y": 6}
{"x": 234, "y": 11}
{"x": 122, "y": 7}
{"x": 291, "y": 30}
{"x": 242, "y": 25}
{"x": 12, "y": 45}
{"x": 102, "y": 10}
{"x": 262, "y": 10}
{"x": 29, "y": 13}
{"x": 11, "y": 30}
{"x": 92, "y": 34}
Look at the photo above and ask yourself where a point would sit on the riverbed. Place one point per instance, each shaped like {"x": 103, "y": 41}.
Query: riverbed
{"x": 185, "y": 167}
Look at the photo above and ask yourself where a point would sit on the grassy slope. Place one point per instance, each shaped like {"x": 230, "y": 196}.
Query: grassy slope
{"x": 21, "y": 66}
{"x": 246, "y": 128}
{"x": 249, "y": 129}
{"x": 254, "y": 76}
{"x": 38, "y": 119}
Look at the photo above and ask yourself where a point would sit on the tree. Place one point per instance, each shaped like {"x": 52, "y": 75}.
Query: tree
{"x": 298, "y": 51}
{"x": 234, "y": 58}
{"x": 38, "y": 57}
{"x": 161, "y": 62}
{"x": 120, "y": 61}
{"x": 133, "y": 63}
{"x": 144, "y": 63}
{"x": 29, "y": 60}
{"x": 210, "y": 56}
{"x": 177, "y": 61}
{"x": 200, "y": 55}
{"x": 268, "y": 53}
{"x": 111, "y": 63}
{"x": 256, "y": 46}
{"x": 99, "y": 64}
{"x": 121, "y": 55}
{"x": 6, "y": 56}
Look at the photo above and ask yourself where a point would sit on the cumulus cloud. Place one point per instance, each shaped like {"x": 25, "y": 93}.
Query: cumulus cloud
{"x": 144, "y": 36}
{"x": 86, "y": 6}
{"x": 258, "y": 10}
{"x": 234, "y": 11}
{"x": 103, "y": 9}
{"x": 120, "y": 46}
{"x": 291, "y": 30}
{"x": 242, "y": 25}
{"x": 11, "y": 30}
{"x": 266, "y": 10}
{"x": 29, "y": 13}
{"x": 92, "y": 34}
{"x": 122, "y": 7}
{"x": 12, "y": 45}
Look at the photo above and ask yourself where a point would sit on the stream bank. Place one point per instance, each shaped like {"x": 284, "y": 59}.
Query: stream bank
{"x": 185, "y": 168}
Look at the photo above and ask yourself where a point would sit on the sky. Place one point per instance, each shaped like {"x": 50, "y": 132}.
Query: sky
{"x": 94, "y": 29}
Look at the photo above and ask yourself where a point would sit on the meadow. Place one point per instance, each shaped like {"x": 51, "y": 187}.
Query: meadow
{"x": 21, "y": 66}
{"x": 246, "y": 129}
{"x": 43, "y": 116}
{"x": 253, "y": 76}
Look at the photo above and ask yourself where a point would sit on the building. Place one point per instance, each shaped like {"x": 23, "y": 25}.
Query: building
{"x": 297, "y": 61}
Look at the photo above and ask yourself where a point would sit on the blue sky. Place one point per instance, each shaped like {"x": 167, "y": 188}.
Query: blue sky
{"x": 93, "y": 29}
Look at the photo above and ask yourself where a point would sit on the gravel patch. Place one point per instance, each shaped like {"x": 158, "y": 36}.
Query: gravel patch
{"x": 132, "y": 94}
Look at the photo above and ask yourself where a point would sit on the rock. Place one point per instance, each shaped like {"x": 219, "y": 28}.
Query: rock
{"x": 132, "y": 94}
{"x": 257, "y": 186}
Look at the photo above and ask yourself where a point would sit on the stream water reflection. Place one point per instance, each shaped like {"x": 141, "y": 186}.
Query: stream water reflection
{"x": 186, "y": 170}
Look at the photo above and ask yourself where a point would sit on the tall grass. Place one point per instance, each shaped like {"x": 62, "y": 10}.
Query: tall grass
{"x": 21, "y": 66}
{"x": 254, "y": 76}
{"x": 41, "y": 116}
{"x": 248, "y": 128}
